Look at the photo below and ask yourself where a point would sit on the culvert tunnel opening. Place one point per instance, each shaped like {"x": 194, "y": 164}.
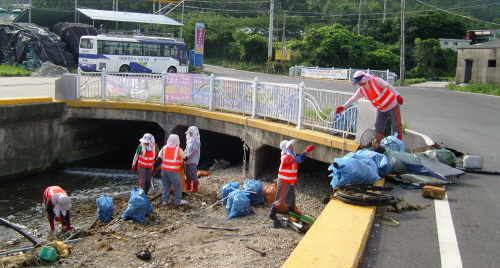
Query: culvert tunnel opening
{"x": 214, "y": 146}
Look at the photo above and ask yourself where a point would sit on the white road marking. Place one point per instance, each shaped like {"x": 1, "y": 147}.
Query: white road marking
{"x": 448, "y": 245}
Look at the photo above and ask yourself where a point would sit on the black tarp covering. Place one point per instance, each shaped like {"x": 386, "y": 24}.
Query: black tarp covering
{"x": 25, "y": 42}
{"x": 70, "y": 34}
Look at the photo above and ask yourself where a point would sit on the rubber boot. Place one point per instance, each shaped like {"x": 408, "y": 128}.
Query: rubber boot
{"x": 188, "y": 185}
{"x": 51, "y": 223}
{"x": 272, "y": 215}
{"x": 195, "y": 187}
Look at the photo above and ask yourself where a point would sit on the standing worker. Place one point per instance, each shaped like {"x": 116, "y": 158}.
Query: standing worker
{"x": 384, "y": 97}
{"x": 144, "y": 157}
{"x": 171, "y": 156}
{"x": 287, "y": 178}
{"x": 57, "y": 205}
{"x": 193, "y": 144}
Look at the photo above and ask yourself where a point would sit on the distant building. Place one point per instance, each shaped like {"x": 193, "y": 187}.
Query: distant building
{"x": 453, "y": 43}
{"x": 479, "y": 63}
{"x": 481, "y": 36}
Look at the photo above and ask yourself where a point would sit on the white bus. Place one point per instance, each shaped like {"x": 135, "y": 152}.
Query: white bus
{"x": 137, "y": 55}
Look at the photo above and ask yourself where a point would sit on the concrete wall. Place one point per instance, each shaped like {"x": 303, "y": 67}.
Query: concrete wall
{"x": 480, "y": 72}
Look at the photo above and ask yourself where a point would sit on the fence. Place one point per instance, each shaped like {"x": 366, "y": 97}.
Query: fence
{"x": 290, "y": 103}
{"x": 339, "y": 74}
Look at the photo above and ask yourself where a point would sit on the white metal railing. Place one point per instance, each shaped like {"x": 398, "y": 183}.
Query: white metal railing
{"x": 290, "y": 103}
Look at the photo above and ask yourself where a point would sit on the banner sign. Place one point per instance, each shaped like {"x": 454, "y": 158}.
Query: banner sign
{"x": 200, "y": 38}
{"x": 325, "y": 73}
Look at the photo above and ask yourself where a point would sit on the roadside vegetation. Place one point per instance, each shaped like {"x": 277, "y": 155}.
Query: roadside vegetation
{"x": 13, "y": 70}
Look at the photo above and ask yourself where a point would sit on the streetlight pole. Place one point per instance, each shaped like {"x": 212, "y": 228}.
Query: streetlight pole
{"x": 359, "y": 18}
{"x": 270, "y": 44}
{"x": 402, "y": 52}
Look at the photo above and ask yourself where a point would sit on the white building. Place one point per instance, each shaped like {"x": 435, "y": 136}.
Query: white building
{"x": 453, "y": 43}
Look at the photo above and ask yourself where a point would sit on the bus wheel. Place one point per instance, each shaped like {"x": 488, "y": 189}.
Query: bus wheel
{"x": 171, "y": 70}
{"x": 124, "y": 69}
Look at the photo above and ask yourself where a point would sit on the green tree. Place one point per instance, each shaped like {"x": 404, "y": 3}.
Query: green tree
{"x": 249, "y": 48}
{"x": 433, "y": 61}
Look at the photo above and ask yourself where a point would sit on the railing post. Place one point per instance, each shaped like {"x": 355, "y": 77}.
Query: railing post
{"x": 211, "y": 82}
{"x": 387, "y": 76}
{"x": 78, "y": 74}
{"x": 254, "y": 97}
{"x": 349, "y": 74}
{"x": 103, "y": 85}
{"x": 301, "y": 106}
{"x": 163, "y": 86}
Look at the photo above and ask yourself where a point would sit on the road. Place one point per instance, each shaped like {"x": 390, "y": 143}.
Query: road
{"x": 466, "y": 122}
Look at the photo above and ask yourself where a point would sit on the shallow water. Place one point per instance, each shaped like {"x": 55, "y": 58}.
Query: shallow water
{"x": 21, "y": 200}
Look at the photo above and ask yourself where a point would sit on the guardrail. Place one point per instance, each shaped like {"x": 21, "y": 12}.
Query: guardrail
{"x": 290, "y": 103}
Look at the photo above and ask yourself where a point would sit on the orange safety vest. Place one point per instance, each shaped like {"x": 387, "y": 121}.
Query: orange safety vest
{"x": 50, "y": 191}
{"x": 381, "y": 98}
{"x": 288, "y": 174}
{"x": 147, "y": 158}
{"x": 171, "y": 159}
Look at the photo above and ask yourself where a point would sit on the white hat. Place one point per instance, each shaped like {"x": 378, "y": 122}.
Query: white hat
{"x": 62, "y": 204}
{"x": 284, "y": 145}
{"x": 147, "y": 138}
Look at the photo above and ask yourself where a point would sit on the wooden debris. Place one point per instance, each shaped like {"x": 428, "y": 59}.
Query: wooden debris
{"x": 262, "y": 253}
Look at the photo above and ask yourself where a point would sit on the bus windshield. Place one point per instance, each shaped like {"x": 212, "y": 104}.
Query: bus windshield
{"x": 119, "y": 54}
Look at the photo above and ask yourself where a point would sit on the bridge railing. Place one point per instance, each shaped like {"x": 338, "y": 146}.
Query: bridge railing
{"x": 289, "y": 103}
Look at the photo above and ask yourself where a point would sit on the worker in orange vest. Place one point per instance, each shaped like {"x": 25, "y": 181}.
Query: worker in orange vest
{"x": 57, "y": 204}
{"x": 384, "y": 97}
{"x": 144, "y": 158}
{"x": 171, "y": 156}
{"x": 287, "y": 178}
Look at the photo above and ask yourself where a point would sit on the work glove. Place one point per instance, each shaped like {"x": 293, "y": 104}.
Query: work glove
{"x": 134, "y": 167}
{"x": 399, "y": 99}
{"x": 153, "y": 171}
{"x": 309, "y": 148}
{"x": 339, "y": 109}
{"x": 57, "y": 218}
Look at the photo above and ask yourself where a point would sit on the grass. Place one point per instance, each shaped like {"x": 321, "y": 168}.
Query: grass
{"x": 13, "y": 70}
{"x": 487, "y": 89}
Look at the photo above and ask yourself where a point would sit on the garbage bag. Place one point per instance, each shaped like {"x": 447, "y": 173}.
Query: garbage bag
{"x": 397, "y": 158}
{"x": 364, "y": 159}
{"x": 255, "y": 192}
{"x": 351, "y": 171}
{"x": 380, "y": 160}
{"x": 226, "y": 189}
{"x": 344, "y": 121}
{"x": 393, "y": 143}
{"x": 104, "y": 208}
{"x": 420, "y": 180}
{"x": 419, "y": 169}
{"x": 444, "y": 156}
{"x": 238, "y": 204}
{"x": 138, "y": 206}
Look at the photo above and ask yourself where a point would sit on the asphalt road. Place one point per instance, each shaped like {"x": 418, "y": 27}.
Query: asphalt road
{"x": 462, "y": 234}
{"x": 466, "y": 122}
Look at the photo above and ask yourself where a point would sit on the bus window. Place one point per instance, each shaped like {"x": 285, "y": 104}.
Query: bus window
{"x": 87, "y": 43}
{"x": 173, "y": 51}
{"x": 136, "y": 49}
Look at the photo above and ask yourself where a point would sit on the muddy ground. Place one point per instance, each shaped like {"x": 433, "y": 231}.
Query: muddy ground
{"x": 173, "y": 235}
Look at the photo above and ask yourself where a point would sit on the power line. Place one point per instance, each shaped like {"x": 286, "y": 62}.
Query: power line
{"x": 456, "y": 14}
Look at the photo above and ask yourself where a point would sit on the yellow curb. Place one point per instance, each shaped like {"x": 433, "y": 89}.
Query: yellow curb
{"x": 15, "y": 101}
{"x": 337, "y": 238}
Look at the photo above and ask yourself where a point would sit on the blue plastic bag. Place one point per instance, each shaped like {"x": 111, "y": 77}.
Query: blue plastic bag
{"x": 138, "y": 206}
{"x": 226, "y": 189}
{"x": 255, "y": 192}
{"x": 351, "y": 171}
{"x": 380, "y": 160}
{"x": 238, "y": 204}
{"x": 104, "y": 208}
{"x": 347, "y": 121}
{"x": 393, "y": 143}
{"x": 364, "y": 159}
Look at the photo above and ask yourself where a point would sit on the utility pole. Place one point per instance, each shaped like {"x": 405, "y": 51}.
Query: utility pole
{"x": 270, "y": 44}
{"x": 402, "y": 52}
{"x": 359, "y": 18}
{"x": 284, "y": 23}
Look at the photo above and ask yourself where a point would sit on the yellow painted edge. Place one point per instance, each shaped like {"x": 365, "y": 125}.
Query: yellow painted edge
{"x": 337, "y": 238}
{"x": 290, "y": 131}
{"x": 14, "y": 101}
